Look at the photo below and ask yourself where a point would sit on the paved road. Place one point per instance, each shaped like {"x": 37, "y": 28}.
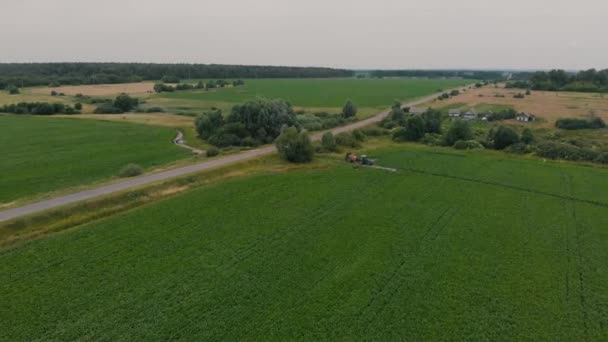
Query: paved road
{"x": 142, "y": 180}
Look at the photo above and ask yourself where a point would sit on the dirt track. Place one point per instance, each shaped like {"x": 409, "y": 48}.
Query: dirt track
{"x": 147, "y": 179}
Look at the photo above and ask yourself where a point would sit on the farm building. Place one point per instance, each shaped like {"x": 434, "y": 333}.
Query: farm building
{"x": 454, "y": 113}
{"x": 525, "y": 117}
{"x": 471, "y": 114}
{"x": 418, "y": 111}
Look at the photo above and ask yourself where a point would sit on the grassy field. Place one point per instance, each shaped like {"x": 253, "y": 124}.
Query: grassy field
{"x": 461, "y": 246}
{"x": 42, "y": 154}
{"x": 314, "y": 94}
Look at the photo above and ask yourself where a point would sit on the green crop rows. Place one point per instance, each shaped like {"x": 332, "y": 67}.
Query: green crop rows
{"x": 461, "y": 246}
{"x": 46, "y": 154}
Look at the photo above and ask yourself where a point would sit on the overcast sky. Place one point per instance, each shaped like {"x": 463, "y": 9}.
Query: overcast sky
{"x": 359, "y": 34}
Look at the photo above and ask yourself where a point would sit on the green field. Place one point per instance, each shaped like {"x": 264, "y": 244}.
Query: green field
{"x": 455, "y": 245}
{"x": 321, "y": 93}
{"x": 41, "y": 154}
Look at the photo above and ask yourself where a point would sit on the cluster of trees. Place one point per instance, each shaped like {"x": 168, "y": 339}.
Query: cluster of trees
{"x": 573, "y": 124}
{"x": 590, "y": 80}
{"x": 162, "y": 87}
{"x": 412, "y": 127}
{"x": 466, "y": 74}
{"x": 556, "y": 150}
{"x": 40, "y": 108}
{"x": 55, "y": 74}
{"x": 12, "y": 90}
{"x": 505, "y": 114}
{"x": 446, "y": 96}
{"x": 253, "y": 123}
{"x": 121, "y": 104}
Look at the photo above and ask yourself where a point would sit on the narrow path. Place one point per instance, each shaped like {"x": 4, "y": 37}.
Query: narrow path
{"x": 179, "y": 141}
{"x": 147, "y": 179}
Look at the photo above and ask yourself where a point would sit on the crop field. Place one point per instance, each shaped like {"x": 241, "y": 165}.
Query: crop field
{"x": 454, "y": 245}
{"x": 43, "y": 154}
{"x": 547, "y": 105}
{"x": 139, "y": 88}
{"x": 316, "y": 94}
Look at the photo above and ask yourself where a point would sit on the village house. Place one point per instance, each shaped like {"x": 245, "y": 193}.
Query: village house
{"x": 524, "y": 117}
{"x": 454, "y": 113}
{"x": 471, "y": 114}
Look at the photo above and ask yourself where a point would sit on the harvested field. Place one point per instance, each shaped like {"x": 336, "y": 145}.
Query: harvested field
{"x": 101, "y": 89}
{"x": 547, "y": 105}
{"x": 166, "y": 120}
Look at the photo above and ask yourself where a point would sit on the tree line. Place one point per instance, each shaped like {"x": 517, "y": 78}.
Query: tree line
{"x": 55, "y": 74}
{"x": 591, "y": 80}
{"x": 466, "y": 74}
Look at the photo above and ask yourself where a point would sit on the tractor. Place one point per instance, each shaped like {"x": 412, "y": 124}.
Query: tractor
{"x": 355, "y": 159}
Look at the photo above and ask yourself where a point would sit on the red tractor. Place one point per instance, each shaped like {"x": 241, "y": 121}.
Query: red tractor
{"x": 355, "y": 159}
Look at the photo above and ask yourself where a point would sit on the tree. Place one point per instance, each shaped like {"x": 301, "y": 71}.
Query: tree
{"x": 502, "y": 136}
{"x": 295, "y": 146}
{"x": 328, "y": 142}
{"x": 432, "y": 121}
{"x": 78, "y": 106}
{"x": 125, "y": 102}
{"x": 208, "y": 123}
{"x": 170, "y": 79}
{"x": 459, "y": 130}
{"x": 349, "y": 110}
{"x": 12, "y": 90}
{"x": 414, "y": 128}
{"x": 527, "y": 137}
{"x": 263, "y": 118}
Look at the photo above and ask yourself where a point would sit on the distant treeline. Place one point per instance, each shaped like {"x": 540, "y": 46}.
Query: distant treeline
{"x": 55, "y": 74}
{"x": 466, "y": 74}
{"x": 590, "y": 80}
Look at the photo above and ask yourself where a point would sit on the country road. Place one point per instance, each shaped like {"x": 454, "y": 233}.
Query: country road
{"x": 146, "y": 179}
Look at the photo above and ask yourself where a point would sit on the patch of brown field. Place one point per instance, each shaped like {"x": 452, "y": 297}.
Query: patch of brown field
{"x": 167, "y": 120}
{"x": 101, "y": 89}
{"x": 173, "y": 190}
{"x": 547, "y": 105}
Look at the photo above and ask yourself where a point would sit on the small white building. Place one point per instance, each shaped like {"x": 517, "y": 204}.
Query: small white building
{"x": 524, "y": 117}
{"x": 471, "y": 114}
{"x": 454, "y": 113}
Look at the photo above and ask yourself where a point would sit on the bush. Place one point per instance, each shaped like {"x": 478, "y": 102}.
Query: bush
{"x": 602, "y": 158}
{"x": 155, "y": 110}
{"x": 459, "y": 130}
{"x": 432, "y": 139}
{"x": 502, "y": 136}
{"x": 519, "y": 96}
{"x": 553, "y": 150}
{"x": 346, "y": 139}
{"x": 125, "y": 102}
{"x": 414, "y": 128}
{"x": 349, "y": 110}
{"x": 295, "y": 146}
{"x": 374, "y": 131}
{"x": 358, "y": 135}
{"x": 519, "y": 148}
{"x": 208, "y": 123}
{"x": 12, "y": 90}
{"x": 527, "y": 137}
{"x": 573, "y": 124}
{"x": 467, "y": 145}
{"x": 161, "y": 87}
{"x": 78, "y": 106}
{"x": 328, "y": 142}
{"x": 223, "y": 139}
{"x": 107, "y": 108}
{"x": 131, "y": 170}
{"x": 170, "y": 79}
{"x": 212, "y": 152}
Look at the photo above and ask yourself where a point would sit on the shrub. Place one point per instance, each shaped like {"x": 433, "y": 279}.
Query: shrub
{"x": 170, "y": 79}
{"x": 358, "y": 135}
{"x": 459, "y": 130}
{"x": 125, "y": 102}
{"x": 155, "y": 110}
{"x": 432, "y": 139}
{"x": 12, "y": 90}
{"x": 602, "y": 158}
{"x": 349, "y": 110}
{"x": 223, "y": 139}
{"x": 212, "y": 152}
{"x": 161, "y": 87}
{"x": 250, "y": 142}
{"x": 53, "y": 93}
{"x": 467, "y": 145}
{"x": 346, "y": 139}
{"x": 414, "y": 128}
{"x": 107, "y": 108}
{"x": 328, "y": 142}
{"x": 295, "y": 146}
{"x": 78, "y": 106}
{"x": 455, "y": 92}
{"x": 527, "y": 137}
{"x": 502, "y": 136}
{"x": 519, "y": 96}
{"x": 374, "y": 131}
{"x": 553, "y": 150}
{"x": 131, "y": 170}
{"x": 573, "y": 124}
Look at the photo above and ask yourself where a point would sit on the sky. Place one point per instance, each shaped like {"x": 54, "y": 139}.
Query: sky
{"x": 354, "y": 34}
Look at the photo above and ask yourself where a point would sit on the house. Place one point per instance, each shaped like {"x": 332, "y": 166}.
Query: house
{"x": 471, "y": 114}
{"x": 525, "y": 117}
{"x": 418, "y": 111}
{"x": 454, "y": 113}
